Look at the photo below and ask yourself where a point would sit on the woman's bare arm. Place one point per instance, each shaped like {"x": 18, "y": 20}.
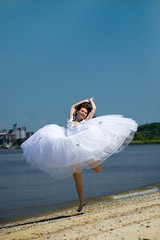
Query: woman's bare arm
{"x": 92, "y": 112}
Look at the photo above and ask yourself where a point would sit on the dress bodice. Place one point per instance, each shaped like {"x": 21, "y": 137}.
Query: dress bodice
{"x": 72, "y": 129}
{"x": 78, "y": 125}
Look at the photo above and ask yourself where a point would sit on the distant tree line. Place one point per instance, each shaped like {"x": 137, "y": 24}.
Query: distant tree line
{"x": 148, "y": 132}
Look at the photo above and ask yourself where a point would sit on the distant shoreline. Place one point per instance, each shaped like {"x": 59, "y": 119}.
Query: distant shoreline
{"x": 134, "y": 142}
{"x": 142, "y": 142}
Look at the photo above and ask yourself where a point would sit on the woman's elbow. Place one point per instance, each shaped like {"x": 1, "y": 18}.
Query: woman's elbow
{"x": 73, "y": 107}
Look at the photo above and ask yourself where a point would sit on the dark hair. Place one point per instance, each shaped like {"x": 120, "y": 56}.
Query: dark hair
{"x": 83, "y": 105}
{"x": 86, "y": 106}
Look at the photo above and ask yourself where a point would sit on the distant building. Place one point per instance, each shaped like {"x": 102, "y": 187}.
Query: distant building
{"x": 11, "y": 136}
{"x": 3, "y": 136}
{"x": 19, "y": 132}
{"x": 29, "y": 134}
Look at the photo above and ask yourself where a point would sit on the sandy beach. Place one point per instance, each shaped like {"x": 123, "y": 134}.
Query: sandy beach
{"x": 137, "y": 217}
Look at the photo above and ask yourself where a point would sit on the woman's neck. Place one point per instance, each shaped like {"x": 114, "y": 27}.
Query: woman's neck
{"x": 78, "y": 120}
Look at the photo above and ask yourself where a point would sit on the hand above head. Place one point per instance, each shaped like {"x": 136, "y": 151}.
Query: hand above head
{"x": 91, "y": 99}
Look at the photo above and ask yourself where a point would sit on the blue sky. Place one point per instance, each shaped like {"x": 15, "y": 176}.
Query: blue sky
{"x": 55, "y": 53}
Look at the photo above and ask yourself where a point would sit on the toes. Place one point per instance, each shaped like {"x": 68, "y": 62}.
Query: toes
{"x": 81, "y": 207}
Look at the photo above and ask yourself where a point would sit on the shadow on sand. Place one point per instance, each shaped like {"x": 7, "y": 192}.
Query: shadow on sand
{"x": 40, "y": 221}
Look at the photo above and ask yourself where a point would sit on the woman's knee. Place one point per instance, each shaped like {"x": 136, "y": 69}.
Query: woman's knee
{"x": 98, "y": 168}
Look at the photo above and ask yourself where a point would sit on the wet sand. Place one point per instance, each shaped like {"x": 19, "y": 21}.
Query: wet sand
{"x": 134, "y": 218}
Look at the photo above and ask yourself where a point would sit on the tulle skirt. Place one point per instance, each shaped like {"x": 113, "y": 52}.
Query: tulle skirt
{"x": 62, "y": 151}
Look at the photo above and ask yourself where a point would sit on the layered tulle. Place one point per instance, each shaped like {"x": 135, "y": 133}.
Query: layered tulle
{"x": 61, "y": 151}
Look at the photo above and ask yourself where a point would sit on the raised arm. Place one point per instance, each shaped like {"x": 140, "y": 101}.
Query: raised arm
{"x": 92, "y": 112}
{"x": 73, "y": 108}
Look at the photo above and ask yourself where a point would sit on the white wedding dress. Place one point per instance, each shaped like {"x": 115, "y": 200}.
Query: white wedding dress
{"x": 61, "y": 151}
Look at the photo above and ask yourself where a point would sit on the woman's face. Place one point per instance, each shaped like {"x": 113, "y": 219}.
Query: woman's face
{"x": 82, "y": 113}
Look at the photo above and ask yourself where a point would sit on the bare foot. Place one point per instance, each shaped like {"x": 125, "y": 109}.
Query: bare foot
{"x": 81, "y": 205}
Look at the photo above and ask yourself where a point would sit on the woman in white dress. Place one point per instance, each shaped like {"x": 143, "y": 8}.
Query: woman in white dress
{"x": 85, "y": 112}
{"x": 86, "y": 143}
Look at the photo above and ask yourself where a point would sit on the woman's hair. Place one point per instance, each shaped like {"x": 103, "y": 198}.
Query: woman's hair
{"x": 86, "y": 106}
{"x": 83, "y": 105}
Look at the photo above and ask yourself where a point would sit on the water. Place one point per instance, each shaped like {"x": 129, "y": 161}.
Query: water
{"x": 25, "y": 192}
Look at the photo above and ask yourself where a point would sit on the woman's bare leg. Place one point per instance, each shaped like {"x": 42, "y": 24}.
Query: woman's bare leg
{"x": 96, "y": 169}
{"x": 79, "y": 187}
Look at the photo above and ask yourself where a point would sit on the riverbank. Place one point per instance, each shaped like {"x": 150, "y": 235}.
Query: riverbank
{"x": 136, "y": 217}
{"x": 138, "y": 142}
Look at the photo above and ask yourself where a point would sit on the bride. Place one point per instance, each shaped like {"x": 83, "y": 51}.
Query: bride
{"x": 86, "y": 143}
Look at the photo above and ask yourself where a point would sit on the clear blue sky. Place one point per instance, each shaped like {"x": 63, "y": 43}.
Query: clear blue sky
{"x": 55, "y": 53}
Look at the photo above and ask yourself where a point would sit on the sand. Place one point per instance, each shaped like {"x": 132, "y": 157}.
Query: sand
{"x": 136, "y": 218}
